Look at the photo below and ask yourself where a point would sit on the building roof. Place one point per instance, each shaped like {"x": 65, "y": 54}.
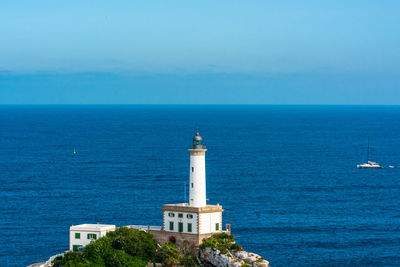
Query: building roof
{"x": 185, "y": 207}
{"x": 92, "y": 227}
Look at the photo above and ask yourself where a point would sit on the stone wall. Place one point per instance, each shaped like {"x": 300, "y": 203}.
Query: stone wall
{"x": 192, "y": 240}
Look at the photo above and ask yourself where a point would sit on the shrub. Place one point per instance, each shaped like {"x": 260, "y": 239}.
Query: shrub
{"x": 168, "y": 254}
{"x": 72, "y": 259}
{"x": 260, "y": 259}
{"x": 222, "y": 241}
{"x": 189, "y": 260}
{"x": 58, "y": 261}
{"x": 236, "y": 247}
{"x": 134, "y": 242}
{"x": 121, "y": 258}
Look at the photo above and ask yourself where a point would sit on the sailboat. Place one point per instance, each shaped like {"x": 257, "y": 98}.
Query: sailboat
{"x": 74, "y": 151}
{"x": 369, "y": 164}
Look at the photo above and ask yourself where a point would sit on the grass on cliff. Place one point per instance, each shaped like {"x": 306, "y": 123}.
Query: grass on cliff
{"x": 223, "y": 242}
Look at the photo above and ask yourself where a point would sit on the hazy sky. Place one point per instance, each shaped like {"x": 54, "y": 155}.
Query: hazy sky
{"x": 265, "y": 45}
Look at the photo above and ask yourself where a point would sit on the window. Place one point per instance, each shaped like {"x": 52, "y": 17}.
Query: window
{"x": 189, "y": 227}
{"x": 180, "y": 227}
{"x": 171, "y": 214}
{"x": 192, "y": 169}
{"x": 171, "y": 226}
{"x": 77, "y": 236}
{"x": 192, "y": 185}
{"x": 189, "y": 216}
{"x": 217, "y": 227}
{"x": 76, "y": 248}
{"x": 180, "y": 215}
{"x": 91, "y": 236}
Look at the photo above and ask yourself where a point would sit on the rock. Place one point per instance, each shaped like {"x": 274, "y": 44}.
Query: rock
{"x": 262, "y": 264}
{"x": 47, "y": 263}
{"x": 214, "y": 257}
{"x": 150, "y": 264}
{"x": 241, "y": 254}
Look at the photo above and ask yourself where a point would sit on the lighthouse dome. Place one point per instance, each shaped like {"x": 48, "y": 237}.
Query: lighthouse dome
{"x": 197, "y": 137}
{"x": 197, "y": 141}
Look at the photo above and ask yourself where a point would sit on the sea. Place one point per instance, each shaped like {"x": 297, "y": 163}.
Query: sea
{"x": 285, "y": 175}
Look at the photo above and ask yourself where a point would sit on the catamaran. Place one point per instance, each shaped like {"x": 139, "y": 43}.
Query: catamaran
{"x": 369, "y": 164}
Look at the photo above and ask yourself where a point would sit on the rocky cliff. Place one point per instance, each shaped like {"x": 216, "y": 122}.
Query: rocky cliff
{"x": 214, "y": 257}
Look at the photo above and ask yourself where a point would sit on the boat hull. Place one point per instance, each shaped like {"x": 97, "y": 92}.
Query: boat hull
{"x": 363, "y": 166}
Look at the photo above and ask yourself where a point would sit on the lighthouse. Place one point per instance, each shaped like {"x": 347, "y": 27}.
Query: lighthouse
{"x": 194, "y": 220}
{"x": 197, "y": 185}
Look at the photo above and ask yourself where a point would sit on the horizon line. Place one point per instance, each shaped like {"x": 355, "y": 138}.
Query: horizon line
{"x": 99, "y": 104}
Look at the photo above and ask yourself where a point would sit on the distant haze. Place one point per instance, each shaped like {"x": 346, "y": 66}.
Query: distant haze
{"x": 200, "y": 52}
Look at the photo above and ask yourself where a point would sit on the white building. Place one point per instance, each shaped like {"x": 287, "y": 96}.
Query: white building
{"x": 83, "y": 234}
{"x": 182, "y": 218}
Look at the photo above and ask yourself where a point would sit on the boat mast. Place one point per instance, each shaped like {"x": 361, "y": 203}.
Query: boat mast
{"x": 368, "y": 150}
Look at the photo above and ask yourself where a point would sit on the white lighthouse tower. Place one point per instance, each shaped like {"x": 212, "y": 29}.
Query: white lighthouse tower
{"x": 194, "y": 220}
{"x": 197, "y": 186}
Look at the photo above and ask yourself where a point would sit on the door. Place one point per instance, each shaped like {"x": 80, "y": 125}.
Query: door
{"x": 180, "y": 227}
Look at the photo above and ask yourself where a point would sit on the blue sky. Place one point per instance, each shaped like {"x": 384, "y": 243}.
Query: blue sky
{"x": 110, "y": 52}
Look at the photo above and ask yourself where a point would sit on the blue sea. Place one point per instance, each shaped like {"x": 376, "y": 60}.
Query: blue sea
{"x": 285, "y": 175}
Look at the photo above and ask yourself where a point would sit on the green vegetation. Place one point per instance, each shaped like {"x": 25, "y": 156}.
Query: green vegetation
{"x": 223, "y": 242}
{"x": 260, "y": 259}
{"x": 127, "y": 247}
{"x": 124, "y": 247}
{"x": 131, "y": 247}
{"x": 245, "y": 265}
{"x": 189, "y": 260}
{"x": 168, "y": 254}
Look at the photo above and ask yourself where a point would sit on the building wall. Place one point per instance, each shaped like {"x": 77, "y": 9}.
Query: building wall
{"x": 208, "y": 222}
{"x": 183, "y": 220}
{"x": 83, "y": 241}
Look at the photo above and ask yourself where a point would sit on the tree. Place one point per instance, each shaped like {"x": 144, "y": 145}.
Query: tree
{"x": 134, "y": 242}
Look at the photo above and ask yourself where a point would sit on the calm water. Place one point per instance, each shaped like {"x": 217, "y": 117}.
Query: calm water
{"x": 285, "y": 175}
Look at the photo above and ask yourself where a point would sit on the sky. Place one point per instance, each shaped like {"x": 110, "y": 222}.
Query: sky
{"x": 200, "y": 52}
